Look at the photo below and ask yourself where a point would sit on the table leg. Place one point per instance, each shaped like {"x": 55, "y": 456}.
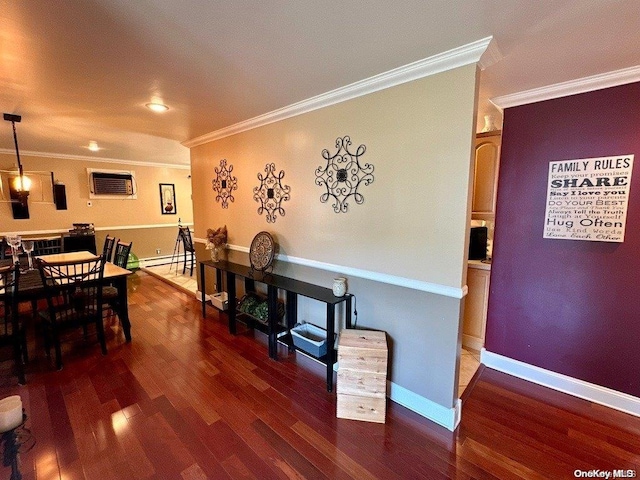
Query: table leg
{"x": 331, "y": 318}
{"x": 231, "y": 294}
{"x": 272, "y": 302}
{"x": 123, "y": 306}
{"x": 292, "y": 315}
{"x": 203, "y": 286}
{"x": 347, "y": 322}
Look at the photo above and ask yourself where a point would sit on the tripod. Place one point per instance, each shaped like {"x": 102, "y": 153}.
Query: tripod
{"x": 176, "y": 249}
{"x": 184, "y": 238}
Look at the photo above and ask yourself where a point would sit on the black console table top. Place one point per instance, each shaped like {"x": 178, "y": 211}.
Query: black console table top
{"x": 305, "y": 289}
{"x": 293, "y": 288}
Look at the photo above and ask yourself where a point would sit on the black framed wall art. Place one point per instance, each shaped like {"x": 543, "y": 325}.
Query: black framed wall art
{"x": 168, "y": 198}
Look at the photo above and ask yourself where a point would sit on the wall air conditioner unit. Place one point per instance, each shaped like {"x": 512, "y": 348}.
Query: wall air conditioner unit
{"x": 111, "y": 184}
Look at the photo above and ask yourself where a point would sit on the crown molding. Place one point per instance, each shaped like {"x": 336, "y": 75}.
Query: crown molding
{"x": 457, "y": 57}
{"x": 491, "y": 55}
{"x": 95, "y": 159}
{"x": 571, "y": 87}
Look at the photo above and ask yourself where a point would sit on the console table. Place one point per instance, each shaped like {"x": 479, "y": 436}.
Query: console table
{"x": 292, "y": 288}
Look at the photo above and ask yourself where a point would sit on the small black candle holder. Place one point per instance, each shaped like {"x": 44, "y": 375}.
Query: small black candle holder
{"x": 14, "y": 442}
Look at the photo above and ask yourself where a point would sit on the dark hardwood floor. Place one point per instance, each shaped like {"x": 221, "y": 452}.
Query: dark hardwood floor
{"x": 186, "y": 400}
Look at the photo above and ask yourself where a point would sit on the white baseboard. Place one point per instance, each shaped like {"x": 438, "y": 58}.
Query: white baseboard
{"x": 449, "y": 418}
{"x": 563, "y": 383}
{"x": 155, "y": 261}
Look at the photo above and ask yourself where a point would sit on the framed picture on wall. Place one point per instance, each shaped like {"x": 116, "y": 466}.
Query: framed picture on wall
{"x": 168, "y": 198}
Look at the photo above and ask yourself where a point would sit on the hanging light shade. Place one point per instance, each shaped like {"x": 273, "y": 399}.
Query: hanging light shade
{"x": 21, "y": 183}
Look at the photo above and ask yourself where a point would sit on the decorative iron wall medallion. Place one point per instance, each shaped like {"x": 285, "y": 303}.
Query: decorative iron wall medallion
{"x": 271, "y": 193}
{"x": 224, "y": 183}
{"x": 343, "y": 175}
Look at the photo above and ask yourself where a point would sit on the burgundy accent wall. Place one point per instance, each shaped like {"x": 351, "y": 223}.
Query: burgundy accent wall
{"x": 569, "y": 306}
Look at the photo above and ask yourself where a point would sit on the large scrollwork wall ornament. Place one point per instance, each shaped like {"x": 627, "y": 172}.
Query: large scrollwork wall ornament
{"x": 224, "y": 183}
{"x": 271, "y": 193}
{"x": 343, "y": 175}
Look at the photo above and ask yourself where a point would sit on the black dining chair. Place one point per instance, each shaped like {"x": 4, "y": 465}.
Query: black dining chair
{"x": 109, "y": 292}
{"x": 107, "y": 249}
{"x": 13, "y": 332}
{"x": 121, "y": 253}
{"x": 187, "y": 243}
{"x": 47, "y": 246}
{"x": 74, "y": 300}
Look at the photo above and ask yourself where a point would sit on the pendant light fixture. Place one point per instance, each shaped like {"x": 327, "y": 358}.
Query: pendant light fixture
{"x": 21, "y": 184}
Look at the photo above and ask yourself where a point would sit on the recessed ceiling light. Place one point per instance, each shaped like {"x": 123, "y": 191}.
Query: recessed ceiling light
{"x": 93, "y": 146}
{"x": 157, "y": 107}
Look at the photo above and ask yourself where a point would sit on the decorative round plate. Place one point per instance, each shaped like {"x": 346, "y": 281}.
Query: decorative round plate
{"x": 262, "y": 251}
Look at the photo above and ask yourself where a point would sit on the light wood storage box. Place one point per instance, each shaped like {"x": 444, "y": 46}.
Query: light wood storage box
{"x": 362, "y": 375}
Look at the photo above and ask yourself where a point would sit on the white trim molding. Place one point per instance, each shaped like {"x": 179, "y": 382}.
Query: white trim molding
{"x": 562, "y": 383}
{"x": 457, "y": 57}
{"x": 449, "y": 418}
{"x": 571, "y": 87}
{"x": 491, "y": 55}
{"x": 436, "y": 288}
{"x": 97, "y": 229}
{"x": 29, "y": 153}
{"x": 139, "y": 227}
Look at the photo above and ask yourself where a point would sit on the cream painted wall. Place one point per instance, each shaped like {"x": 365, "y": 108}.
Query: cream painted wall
{"x": 106, "y": 214}
{"x": 414, "y": 217}
{"x": 413, "y": 223}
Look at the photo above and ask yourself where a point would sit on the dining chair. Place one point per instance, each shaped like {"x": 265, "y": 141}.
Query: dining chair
{"x": 107, "y": 249}
{"x": 74, "y": 300}
{"x": 110, "y": 292}
{"x": 121, "y": 253}
{"x": 13, "y": 330}
{"x": 47, "y": 246}
{"x": 187, "y": 243}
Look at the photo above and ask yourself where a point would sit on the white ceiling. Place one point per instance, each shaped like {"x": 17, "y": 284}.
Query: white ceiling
{"x": 81, "y": 70}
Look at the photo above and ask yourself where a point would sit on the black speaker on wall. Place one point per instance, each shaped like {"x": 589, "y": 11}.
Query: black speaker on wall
{"x": 60, "y": 196}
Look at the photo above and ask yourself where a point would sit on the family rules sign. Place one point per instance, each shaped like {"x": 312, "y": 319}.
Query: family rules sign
{"x": 587, "y": 199}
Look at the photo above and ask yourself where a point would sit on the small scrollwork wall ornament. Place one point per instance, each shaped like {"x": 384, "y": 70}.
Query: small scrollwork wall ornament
{"x": 224, "y": 183}
{"x": 271, "y": 193}
{"x": 343, "y": 175}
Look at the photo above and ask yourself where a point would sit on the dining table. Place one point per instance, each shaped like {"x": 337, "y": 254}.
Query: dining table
{"x": 30, "y": 287}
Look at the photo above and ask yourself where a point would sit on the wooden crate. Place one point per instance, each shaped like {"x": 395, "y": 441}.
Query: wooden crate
{"x": 362, "y": 375}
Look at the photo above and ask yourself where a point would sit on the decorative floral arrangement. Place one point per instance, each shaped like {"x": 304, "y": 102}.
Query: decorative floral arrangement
{"x": 216, "y": 238}
{"x": 216, "y": 241}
